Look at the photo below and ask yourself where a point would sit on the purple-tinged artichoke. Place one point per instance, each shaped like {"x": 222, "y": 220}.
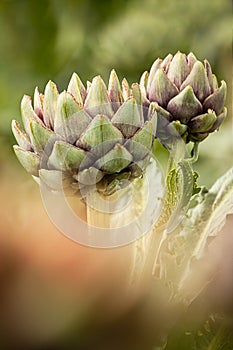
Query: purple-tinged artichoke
{"x": 85, "y": 135}
{"x": 186, "y": 95}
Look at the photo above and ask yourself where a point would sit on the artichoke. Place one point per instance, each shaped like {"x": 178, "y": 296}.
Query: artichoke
{"x": 186, "y": 96}
{"x": 86, "y": 135}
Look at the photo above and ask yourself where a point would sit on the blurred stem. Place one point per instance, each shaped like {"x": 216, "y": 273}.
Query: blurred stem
{"x": 113, "y": 219}
{"x": 145, "y": 248}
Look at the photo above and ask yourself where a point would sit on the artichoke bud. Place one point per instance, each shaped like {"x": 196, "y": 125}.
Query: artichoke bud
{"x": 187, "y": 91}
{"x": 81, "y": 137}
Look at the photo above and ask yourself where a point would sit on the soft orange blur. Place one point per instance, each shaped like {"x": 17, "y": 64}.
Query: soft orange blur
{"x": 50, "y": 285}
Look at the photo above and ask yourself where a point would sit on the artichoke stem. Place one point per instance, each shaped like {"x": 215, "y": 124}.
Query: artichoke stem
{"x": 194, "y": 153}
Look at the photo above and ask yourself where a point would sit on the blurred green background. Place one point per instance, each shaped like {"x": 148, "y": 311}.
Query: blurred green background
{"x": 53, "y": 291}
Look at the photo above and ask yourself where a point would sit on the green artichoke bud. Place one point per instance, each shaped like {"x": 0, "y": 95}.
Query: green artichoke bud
{"x": 186, "y": 96}
{"x": 85, "y": 135}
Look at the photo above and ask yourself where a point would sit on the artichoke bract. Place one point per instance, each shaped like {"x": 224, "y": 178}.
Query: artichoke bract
{"x": 86, "y": 135}
{"x": 188, "y": 100}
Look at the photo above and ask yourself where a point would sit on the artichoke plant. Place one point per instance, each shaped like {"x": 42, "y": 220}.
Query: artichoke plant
{"x": 85, "y": 135}
{"x": 187, "y": 97}
{"x": 98, "y": 135}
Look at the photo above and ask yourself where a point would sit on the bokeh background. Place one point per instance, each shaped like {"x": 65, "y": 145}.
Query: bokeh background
{"x": 55, "y": 294}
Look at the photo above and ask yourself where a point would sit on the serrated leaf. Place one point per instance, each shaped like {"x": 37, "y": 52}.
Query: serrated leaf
{"x": 190, "y": 239}
{"x": 179, "y": 186}
{"x": 185, "y": 179}
{"x": 208, "y": 218}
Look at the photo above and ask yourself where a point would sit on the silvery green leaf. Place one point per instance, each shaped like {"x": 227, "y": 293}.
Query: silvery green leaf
{"x": 65, "y": 156}
{"x": 185, "y": 105}
{"x": 180, "y": 190}
{"x": 128, "y": 118}
{"x": 29, "y": 160}
{"x": 217, "y": 99}
{"x": 77, "y": 89}
{"x": 208, "y": 218}
{"x": 50, "y": 104}
{"x": 198, "y": 80}
{"x": 205, "y": 220}
{"x": 28, "y": 113}
{"x": 71, "y": 119}
{"x": 97, "y": 100}
{"x": 190, "y": 240}
{"x": 20, "y": 136}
